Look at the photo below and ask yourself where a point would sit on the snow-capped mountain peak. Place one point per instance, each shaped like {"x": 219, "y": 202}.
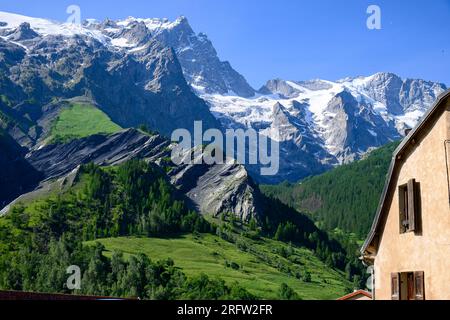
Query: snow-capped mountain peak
{"x": 343, "y": 118}
{"x": 319, "y": 123}
{"x": 44, "y": 27}
{"x": 155, "y": 24}
{"x": 203, "y": 69}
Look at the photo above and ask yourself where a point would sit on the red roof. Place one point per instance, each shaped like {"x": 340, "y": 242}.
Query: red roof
{"x": 20, "y": 295}
{"x": 356, "y": 293}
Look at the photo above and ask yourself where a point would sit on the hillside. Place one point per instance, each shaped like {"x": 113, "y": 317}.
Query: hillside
{"x": 13, "y": 165}
{"x": 259, "y": 266}
{"x": 345, "y": 198}
{"x": 139, "y": 220}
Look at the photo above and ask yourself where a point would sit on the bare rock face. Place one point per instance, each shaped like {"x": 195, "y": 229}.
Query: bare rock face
{"x": 385, "y": 87}
{"x": 136, "y": 33}
{"x": 355, "y": 127}
{"x": 227, "y": 189}
{"x": 200, "y": 62}
{"x": 212, "y": 189}
{"x": 23, "y": 32}
{"x": 219, "y": 189}
{"x": 280, "y": 87}
{"x": 58, "y": 160}
{"x": 402, "y": 95}
{"x": 300, "y": 154}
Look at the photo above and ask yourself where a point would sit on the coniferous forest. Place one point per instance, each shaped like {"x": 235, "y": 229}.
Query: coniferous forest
{"x": 345, "y": 198}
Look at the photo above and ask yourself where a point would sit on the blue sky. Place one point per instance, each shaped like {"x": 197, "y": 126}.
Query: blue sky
{"x": 295, "y": 39}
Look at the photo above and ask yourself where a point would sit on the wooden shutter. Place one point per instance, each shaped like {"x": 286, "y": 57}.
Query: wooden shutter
{"x": 395, "y": 286}
{"x": 412, "y": 205}
{"x": 402, "y": 208}
{"x": 419, "y": 285}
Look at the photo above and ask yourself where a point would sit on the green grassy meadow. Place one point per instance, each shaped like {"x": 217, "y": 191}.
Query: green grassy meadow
{"x": 217, "y": 258}
{"x": 79, "y": 121}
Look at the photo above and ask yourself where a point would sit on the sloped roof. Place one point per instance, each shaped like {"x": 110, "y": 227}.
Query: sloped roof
{"x": 437, "y": 106}
{"x": 356, "y": 293}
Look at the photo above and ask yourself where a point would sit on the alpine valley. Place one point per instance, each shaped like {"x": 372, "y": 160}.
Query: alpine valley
{"x": 86, "y": 112}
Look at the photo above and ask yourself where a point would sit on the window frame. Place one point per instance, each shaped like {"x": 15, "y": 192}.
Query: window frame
{"x": 409, "y": 207}
{"x": 403, "y": 208}
{"x": 413, "y": 285}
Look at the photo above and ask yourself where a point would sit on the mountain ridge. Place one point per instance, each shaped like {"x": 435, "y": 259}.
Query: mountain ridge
{"x": 162, "y": 74}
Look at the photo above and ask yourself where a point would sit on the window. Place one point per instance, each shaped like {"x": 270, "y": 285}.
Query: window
{"x": 419, "y": 285}
{"x": 408, "y": 286}
{"x": 395, "y": 286}
{"x": 409, "y": 200}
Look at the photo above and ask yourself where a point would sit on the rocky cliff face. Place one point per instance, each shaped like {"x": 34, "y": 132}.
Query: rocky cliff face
{"x": 356, "y": 128}
{"x": 42, "y": 62}
{"x": 201, "y": 65}
{"x": 401, "y": 95}
{"x": 212, "y": 189}
{"x": 220, "y": 189}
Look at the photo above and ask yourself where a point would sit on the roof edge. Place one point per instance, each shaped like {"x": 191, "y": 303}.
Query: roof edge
{"x": 393, "y": 165}
{"x": 355, "y": 293}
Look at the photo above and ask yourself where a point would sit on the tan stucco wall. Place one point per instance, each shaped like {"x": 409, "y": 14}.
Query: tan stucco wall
{"x": 430, "y": 251}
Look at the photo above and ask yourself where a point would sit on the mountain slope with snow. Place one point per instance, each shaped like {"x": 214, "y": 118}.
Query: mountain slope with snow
{"x": 319, "y": 123}
{"x": 339, "y": 120}
{"x": 42, "y": 64}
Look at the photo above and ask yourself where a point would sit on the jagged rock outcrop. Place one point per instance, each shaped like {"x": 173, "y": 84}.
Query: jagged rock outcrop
{"x": 280, "y": 87}
{"x": 212, "y": 189}
{"x": 56, "y": 160}
{"x": 219, "y": 188}
{"x": 201, "y": 64}
{"x": 136, "y": 33}
{"x": 355, "y": 127}
{"x": 23, "y": 32}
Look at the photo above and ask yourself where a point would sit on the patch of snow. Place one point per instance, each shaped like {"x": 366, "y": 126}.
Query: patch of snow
{"x": 112, "y": 30}
{"x": 153, "y": 24}
{"x": 410, "y": 119}
{"x": 137, "y": 49}
{"x": 122, "y": 43}
{"x": 47, "y": 27}
{"x": 184, "y": 49}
